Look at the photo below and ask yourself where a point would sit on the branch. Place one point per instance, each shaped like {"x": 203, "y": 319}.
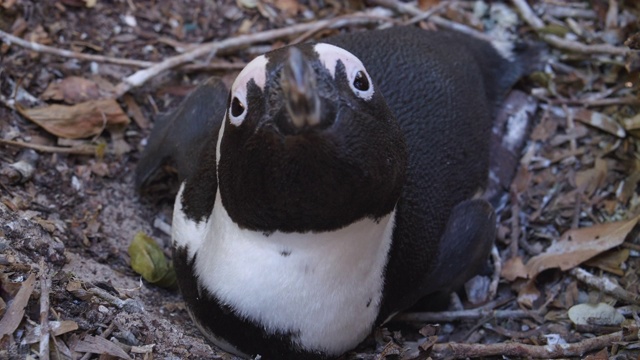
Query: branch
{"x": 530, "y": 17}
{"x": 409, "y": 9}
{"x": 45, "y": 290}
{"x": 34, "y": 46}
{"x": 75, "y": 150}
{"x": 212, "y": 48}
{"x": 474, "y": 314}
{"x": 575, "y": 46}
{"x": 605, "y": 285}
{"x": 511, "y": 349}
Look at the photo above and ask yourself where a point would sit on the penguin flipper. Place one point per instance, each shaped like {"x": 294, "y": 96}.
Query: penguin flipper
{"x": 464, "y": 246}
{"x": 178, "y": 137}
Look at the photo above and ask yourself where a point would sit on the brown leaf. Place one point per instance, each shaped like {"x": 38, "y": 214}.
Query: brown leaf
{"x": 600, "y": 355}
{"x": 610, "y": 261}
{"x": 600, "y": 121}
{"x": 72, "y": 90}
{"x": 514, "y": 268}
{"x": 628, "y": 187}
{"x": 578, "y": 245}
{"x": 135, "y": 112}
{"x": 528, "y": 294}
{"x": 10, "y": 321}
{"x": 427, "y": 4}
{"x": 83, "y": 120}
{"x": 289, "y": 7}
{"x": 57, "y": 328}
{"x": 588, "y": 181}
{"x": 100, "y": 345}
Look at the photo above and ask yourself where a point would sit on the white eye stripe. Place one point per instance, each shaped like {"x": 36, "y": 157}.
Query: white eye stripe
{"x": 255, "y": 70}
{"x": 329, "y": 56}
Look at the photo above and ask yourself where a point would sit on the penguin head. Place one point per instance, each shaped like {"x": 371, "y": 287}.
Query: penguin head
{"x": 308, "y": 143}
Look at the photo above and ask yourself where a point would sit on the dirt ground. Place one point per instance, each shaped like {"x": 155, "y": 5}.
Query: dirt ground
{"x": 69, "y": 210}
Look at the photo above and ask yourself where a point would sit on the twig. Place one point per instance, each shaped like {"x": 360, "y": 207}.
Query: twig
{"x": 212, "y": 48}
{"x": 535, "y": 22}
{"x": 34, "y": 46}
{"x": 574, "y": 46}
{"x": 474, "y": 314}
{"x": 45, "y": 290}
{"x": 497, "y": 269}
{"x": 456, "y": 350}
{"x": 427, "y": 14}
{"x": 409, "y": 9}
{"x": 306, "y": 35}
{"x": 605, "y": 285}
{"x": 129, "y": 304}
{"x": 75, "y": 150}
{"x": 528, "y": 15}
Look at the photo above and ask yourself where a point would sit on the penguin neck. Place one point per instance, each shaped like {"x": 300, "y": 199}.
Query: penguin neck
{"x": 302, "y": 283}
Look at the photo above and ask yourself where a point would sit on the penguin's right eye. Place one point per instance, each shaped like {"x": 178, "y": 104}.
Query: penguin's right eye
{"x": 236, "y": 107}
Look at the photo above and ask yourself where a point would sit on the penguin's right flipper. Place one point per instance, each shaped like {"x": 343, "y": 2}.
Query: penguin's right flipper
{"x": 464, "y": 246}
{"x": 178, "y": 137}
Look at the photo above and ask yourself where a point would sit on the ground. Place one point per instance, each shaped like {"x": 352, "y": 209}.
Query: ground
{"x": 69, "y": 209}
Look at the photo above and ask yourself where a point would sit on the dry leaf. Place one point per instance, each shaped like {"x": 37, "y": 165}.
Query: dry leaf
{"x": 627, "y": 188}
{"x": 57, "y": 328}
{"x": 83, "y": 120}
{"x": 514, "y": 268}
{"x": 289, "y": 7}
{"x": 528, "y": 294}
{"x": 600, "y": 121}
{"x": 10, "y": 321}
{"x": 588, "y": 181}
{"x": 100, "y": 345}
{"x": 601, "y": 314}
{"x": 578, "y": 245}
{"x": 611, "y": 261}
{"x": 632, "y": 125}
{"x": 135, "y": 112}
{"x": 72, "y": 90}
{"x": 76, "y": 288}
{"x": 600, "y": 355}
{"x": 427, "y": 4}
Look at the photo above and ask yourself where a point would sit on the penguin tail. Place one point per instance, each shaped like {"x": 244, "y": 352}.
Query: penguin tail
{"x": 179, "y": 136}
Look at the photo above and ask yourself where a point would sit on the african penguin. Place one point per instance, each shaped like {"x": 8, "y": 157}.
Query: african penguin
{"x": 334, "y": 185}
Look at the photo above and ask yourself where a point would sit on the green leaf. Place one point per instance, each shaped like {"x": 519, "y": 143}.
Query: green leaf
{"x": 148, "y": 260}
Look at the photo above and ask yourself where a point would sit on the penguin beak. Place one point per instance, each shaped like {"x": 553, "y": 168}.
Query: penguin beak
{"x": 298, "y": 83}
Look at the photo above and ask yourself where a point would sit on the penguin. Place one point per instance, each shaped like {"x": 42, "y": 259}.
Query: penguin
{"x": 336, "y": 183}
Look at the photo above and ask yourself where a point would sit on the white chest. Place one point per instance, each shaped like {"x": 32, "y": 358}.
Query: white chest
{"x": 326, "y": 287}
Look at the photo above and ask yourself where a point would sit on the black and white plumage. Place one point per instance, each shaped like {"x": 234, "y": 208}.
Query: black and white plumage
{"x": 335, "y": 185}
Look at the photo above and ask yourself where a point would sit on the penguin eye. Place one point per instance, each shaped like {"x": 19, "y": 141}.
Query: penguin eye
{"x": 236, "y": 107}
{"x": 361, "y": 82}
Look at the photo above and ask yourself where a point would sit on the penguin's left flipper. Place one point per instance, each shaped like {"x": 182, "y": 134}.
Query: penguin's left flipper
{"x": 464, "y": 246}
{"x": 178, "y": 137}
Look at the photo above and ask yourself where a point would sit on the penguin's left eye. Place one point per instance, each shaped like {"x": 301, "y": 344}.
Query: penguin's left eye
{"x": 361, "y": 82}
